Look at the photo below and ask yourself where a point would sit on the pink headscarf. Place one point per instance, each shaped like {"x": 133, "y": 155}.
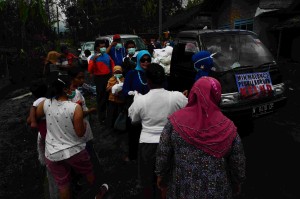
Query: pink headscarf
{"x": 201, "y": 123}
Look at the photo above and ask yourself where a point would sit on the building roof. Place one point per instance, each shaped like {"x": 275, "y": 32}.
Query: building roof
{"x": 293, "y": 22}
{"x": 181, "y": 19}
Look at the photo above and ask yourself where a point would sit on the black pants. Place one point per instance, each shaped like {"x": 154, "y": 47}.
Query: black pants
{"x": 146, "y": 168}
{"x": 102, "y": 95}
{"x": 134, "y": 132}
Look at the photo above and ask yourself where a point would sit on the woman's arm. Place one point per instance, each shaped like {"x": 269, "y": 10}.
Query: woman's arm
{"x": 127, "y": 83}
{"x": 109, "y": 86}
{"x": 237, "y": 165}
{"x": 32, "y": 117}
{"x": 79, "y": 124}
{"x": 164, "y": 155}
{"x": 40, "y": 110}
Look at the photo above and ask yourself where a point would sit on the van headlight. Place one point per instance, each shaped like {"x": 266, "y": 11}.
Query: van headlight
{"x": 279, "y": 89}
{"x": 229, "y": 98}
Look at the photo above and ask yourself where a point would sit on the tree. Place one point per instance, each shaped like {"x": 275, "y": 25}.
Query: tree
{"x": 96, "y": 17}
{"x": 193, "y": 3}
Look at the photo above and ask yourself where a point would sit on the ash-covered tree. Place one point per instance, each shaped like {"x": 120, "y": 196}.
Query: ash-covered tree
{"x": 193, "y": 3}
{"x": 99, "y": 17}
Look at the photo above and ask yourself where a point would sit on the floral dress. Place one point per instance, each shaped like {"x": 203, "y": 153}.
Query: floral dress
{"x": 193, "y": 174}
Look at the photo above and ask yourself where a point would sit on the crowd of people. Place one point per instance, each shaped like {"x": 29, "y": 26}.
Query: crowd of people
{"x": 184, "y": 146}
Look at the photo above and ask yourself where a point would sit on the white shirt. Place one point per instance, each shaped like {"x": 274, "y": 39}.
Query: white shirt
{"x": 153, "y": 110}
{"x": 135, "y": 54}
{"x": 38, "y": 101}
{"x": 62, "y": 141}
{"x": 89, "y": 58}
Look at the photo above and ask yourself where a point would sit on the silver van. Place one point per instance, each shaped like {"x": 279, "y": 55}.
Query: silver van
{"x": 140, "y": 45}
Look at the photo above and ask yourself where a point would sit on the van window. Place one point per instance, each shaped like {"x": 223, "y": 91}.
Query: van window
{"x": 89, "y": 46}
{"x": 184, "y": 51}
{"x": 236, "y": 50}
{"x": 139, "y": 43}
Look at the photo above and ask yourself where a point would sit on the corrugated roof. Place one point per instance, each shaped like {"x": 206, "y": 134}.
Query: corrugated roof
{"x": 293, "y": 22}
{"x": 181, "y": 19}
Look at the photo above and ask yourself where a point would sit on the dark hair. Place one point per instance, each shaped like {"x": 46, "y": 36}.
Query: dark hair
{"x": 57, "y": 87}
{"x": 98, "y": 42}
{"x": 73, "y": 72}
{"x": 38, "y": 88}
{"x": 87, "y": 52}
{"x": 63, "y": 48}
{"x": 129, "y": 42}
{"x": 155, "y": 73}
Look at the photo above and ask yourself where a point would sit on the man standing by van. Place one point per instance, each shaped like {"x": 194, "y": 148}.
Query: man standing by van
{"x": 100, "y": 66}
{"x": 116, "y": 50}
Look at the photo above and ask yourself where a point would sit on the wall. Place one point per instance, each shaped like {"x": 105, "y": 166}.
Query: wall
{"x": 235, "y": 9}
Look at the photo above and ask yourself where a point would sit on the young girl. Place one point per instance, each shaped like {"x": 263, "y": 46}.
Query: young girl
{"x": 115, "y": 100}
{"x": 65, "y": 148}
{"x": 39, "y": 91}
{"x": 77, "y": 80}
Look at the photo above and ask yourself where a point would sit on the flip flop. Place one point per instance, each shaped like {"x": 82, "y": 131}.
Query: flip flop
{"x": 103, "y": 190}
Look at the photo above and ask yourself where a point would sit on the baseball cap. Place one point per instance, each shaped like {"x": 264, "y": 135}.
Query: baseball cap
{"x": 116, "y": 37}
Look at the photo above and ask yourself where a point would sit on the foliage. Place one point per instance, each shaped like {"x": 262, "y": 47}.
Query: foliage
{"x": 26, "y": 28}
{"x": 193, "y": 3}
{"x": 87, "y": 19}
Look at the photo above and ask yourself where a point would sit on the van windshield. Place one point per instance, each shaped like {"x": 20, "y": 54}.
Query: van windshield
{"x": 89, "y": 46}
{"x": 236, "y": 50}
{"x": 138, "y": 42}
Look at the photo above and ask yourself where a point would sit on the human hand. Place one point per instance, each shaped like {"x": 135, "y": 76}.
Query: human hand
{"x": 92, "y": 110}
{"x": 236, "y": 190}
{"x": 34, "y": 125}
{"x": 114, "y": 43}
{"x": 162, "y": 187}
{"x": 131, "y": 93}
{"x": 185, "y": 93}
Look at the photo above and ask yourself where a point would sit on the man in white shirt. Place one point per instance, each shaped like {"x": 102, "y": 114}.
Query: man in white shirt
{"x": 152, "y": 110}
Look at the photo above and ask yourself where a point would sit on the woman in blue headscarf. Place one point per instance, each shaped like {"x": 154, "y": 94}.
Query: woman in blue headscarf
{"x": 135, "y": 80}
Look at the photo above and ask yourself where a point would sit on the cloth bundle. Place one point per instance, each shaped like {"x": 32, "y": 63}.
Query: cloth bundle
{"x": 163, "y": 57}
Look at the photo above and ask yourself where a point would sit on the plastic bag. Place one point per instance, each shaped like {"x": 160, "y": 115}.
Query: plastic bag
{"x": 120, "y": 123}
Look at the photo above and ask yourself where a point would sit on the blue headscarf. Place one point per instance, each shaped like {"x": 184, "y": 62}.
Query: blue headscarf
{"x": 202, "y": 58}
{"x": 138, "y": 58}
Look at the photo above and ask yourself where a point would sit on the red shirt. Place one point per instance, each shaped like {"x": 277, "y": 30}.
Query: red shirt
{"x": 70, "y": 58}
{"x": 103, "y": 65}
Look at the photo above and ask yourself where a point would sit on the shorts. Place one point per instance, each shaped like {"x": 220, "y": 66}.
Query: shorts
{"x": 61, "y": 170}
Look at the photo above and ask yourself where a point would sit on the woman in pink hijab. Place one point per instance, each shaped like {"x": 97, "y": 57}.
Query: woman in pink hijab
{"x": 200, "y": 154}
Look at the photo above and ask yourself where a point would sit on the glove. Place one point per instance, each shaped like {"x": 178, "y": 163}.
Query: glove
{"x": 131, "y": 93}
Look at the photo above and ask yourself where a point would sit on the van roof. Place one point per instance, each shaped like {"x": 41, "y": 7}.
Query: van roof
{"x": 194, "y": 33}
{"x": 121, "y": 35}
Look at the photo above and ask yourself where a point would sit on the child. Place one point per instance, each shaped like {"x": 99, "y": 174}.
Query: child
{"x": 116, "y": 100}
{"x": 39, "y": 90}
{"x": 77, "y": 79}
{"x": 129, "y": 62}
{"x": 87, "y": 54}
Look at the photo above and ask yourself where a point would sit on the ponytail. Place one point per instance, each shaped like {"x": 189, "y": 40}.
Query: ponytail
{"x": 57, "y": 87}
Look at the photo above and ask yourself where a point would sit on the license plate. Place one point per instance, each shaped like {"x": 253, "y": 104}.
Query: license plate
{"x": 262, "y": 109}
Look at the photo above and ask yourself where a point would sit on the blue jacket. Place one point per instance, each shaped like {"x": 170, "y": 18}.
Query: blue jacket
{"x": 117, "y": 55}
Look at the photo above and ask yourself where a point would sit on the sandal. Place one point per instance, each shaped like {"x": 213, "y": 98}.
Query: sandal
{"x": 103, "y": 190}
